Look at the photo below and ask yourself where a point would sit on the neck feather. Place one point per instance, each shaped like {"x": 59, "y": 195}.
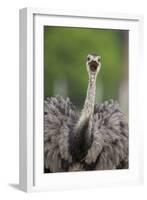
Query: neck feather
{"x": 88, "y": 108}
{"x": 82, "y": 137}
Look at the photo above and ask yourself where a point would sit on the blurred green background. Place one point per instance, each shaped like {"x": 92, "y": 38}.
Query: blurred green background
{"x": 65, "y": 53}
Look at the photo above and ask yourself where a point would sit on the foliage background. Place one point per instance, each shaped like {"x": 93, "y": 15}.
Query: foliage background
{"x": 65, "y": 53}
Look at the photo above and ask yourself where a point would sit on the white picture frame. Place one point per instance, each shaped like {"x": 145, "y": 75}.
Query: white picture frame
{"x": 31, "y": 175}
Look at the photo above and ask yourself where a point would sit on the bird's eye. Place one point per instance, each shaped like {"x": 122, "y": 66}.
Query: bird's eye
{"x": 99, "y": 59}
{"x": 88, "y": 58}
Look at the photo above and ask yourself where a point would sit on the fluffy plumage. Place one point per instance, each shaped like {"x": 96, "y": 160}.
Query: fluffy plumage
{"x": 108, "y": 147}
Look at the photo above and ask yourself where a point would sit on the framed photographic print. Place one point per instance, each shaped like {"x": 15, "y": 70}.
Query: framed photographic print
{"x": 80, "y": 79}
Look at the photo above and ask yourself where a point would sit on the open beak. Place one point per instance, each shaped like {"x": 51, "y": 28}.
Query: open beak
{"x": 93, "y": 66}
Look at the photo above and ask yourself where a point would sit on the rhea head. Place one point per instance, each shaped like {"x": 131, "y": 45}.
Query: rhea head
{"x": 93, "y": 63}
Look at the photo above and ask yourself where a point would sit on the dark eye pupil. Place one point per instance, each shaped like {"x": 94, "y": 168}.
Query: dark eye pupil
{"x": 88, "y": 58}
{"x": 99, "y": 59}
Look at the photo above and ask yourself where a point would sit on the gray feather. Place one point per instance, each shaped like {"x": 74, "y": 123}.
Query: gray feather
{"x": 109, "y": 148}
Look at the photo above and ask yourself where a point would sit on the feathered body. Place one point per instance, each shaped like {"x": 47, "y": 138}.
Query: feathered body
{"x": 95, "y": 139}
{"x": 109, "y": 145}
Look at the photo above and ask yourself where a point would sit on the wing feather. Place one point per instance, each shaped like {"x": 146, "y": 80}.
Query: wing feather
{"x": 59, "y": 119}
{"x": 110, "y": 137}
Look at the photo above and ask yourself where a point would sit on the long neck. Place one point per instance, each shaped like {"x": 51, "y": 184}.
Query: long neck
{"x": 87, "y": 112}
{"x": 82, "y": 137}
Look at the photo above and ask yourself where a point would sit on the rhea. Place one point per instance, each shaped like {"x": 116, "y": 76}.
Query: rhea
{"x": 95, "y": 139}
